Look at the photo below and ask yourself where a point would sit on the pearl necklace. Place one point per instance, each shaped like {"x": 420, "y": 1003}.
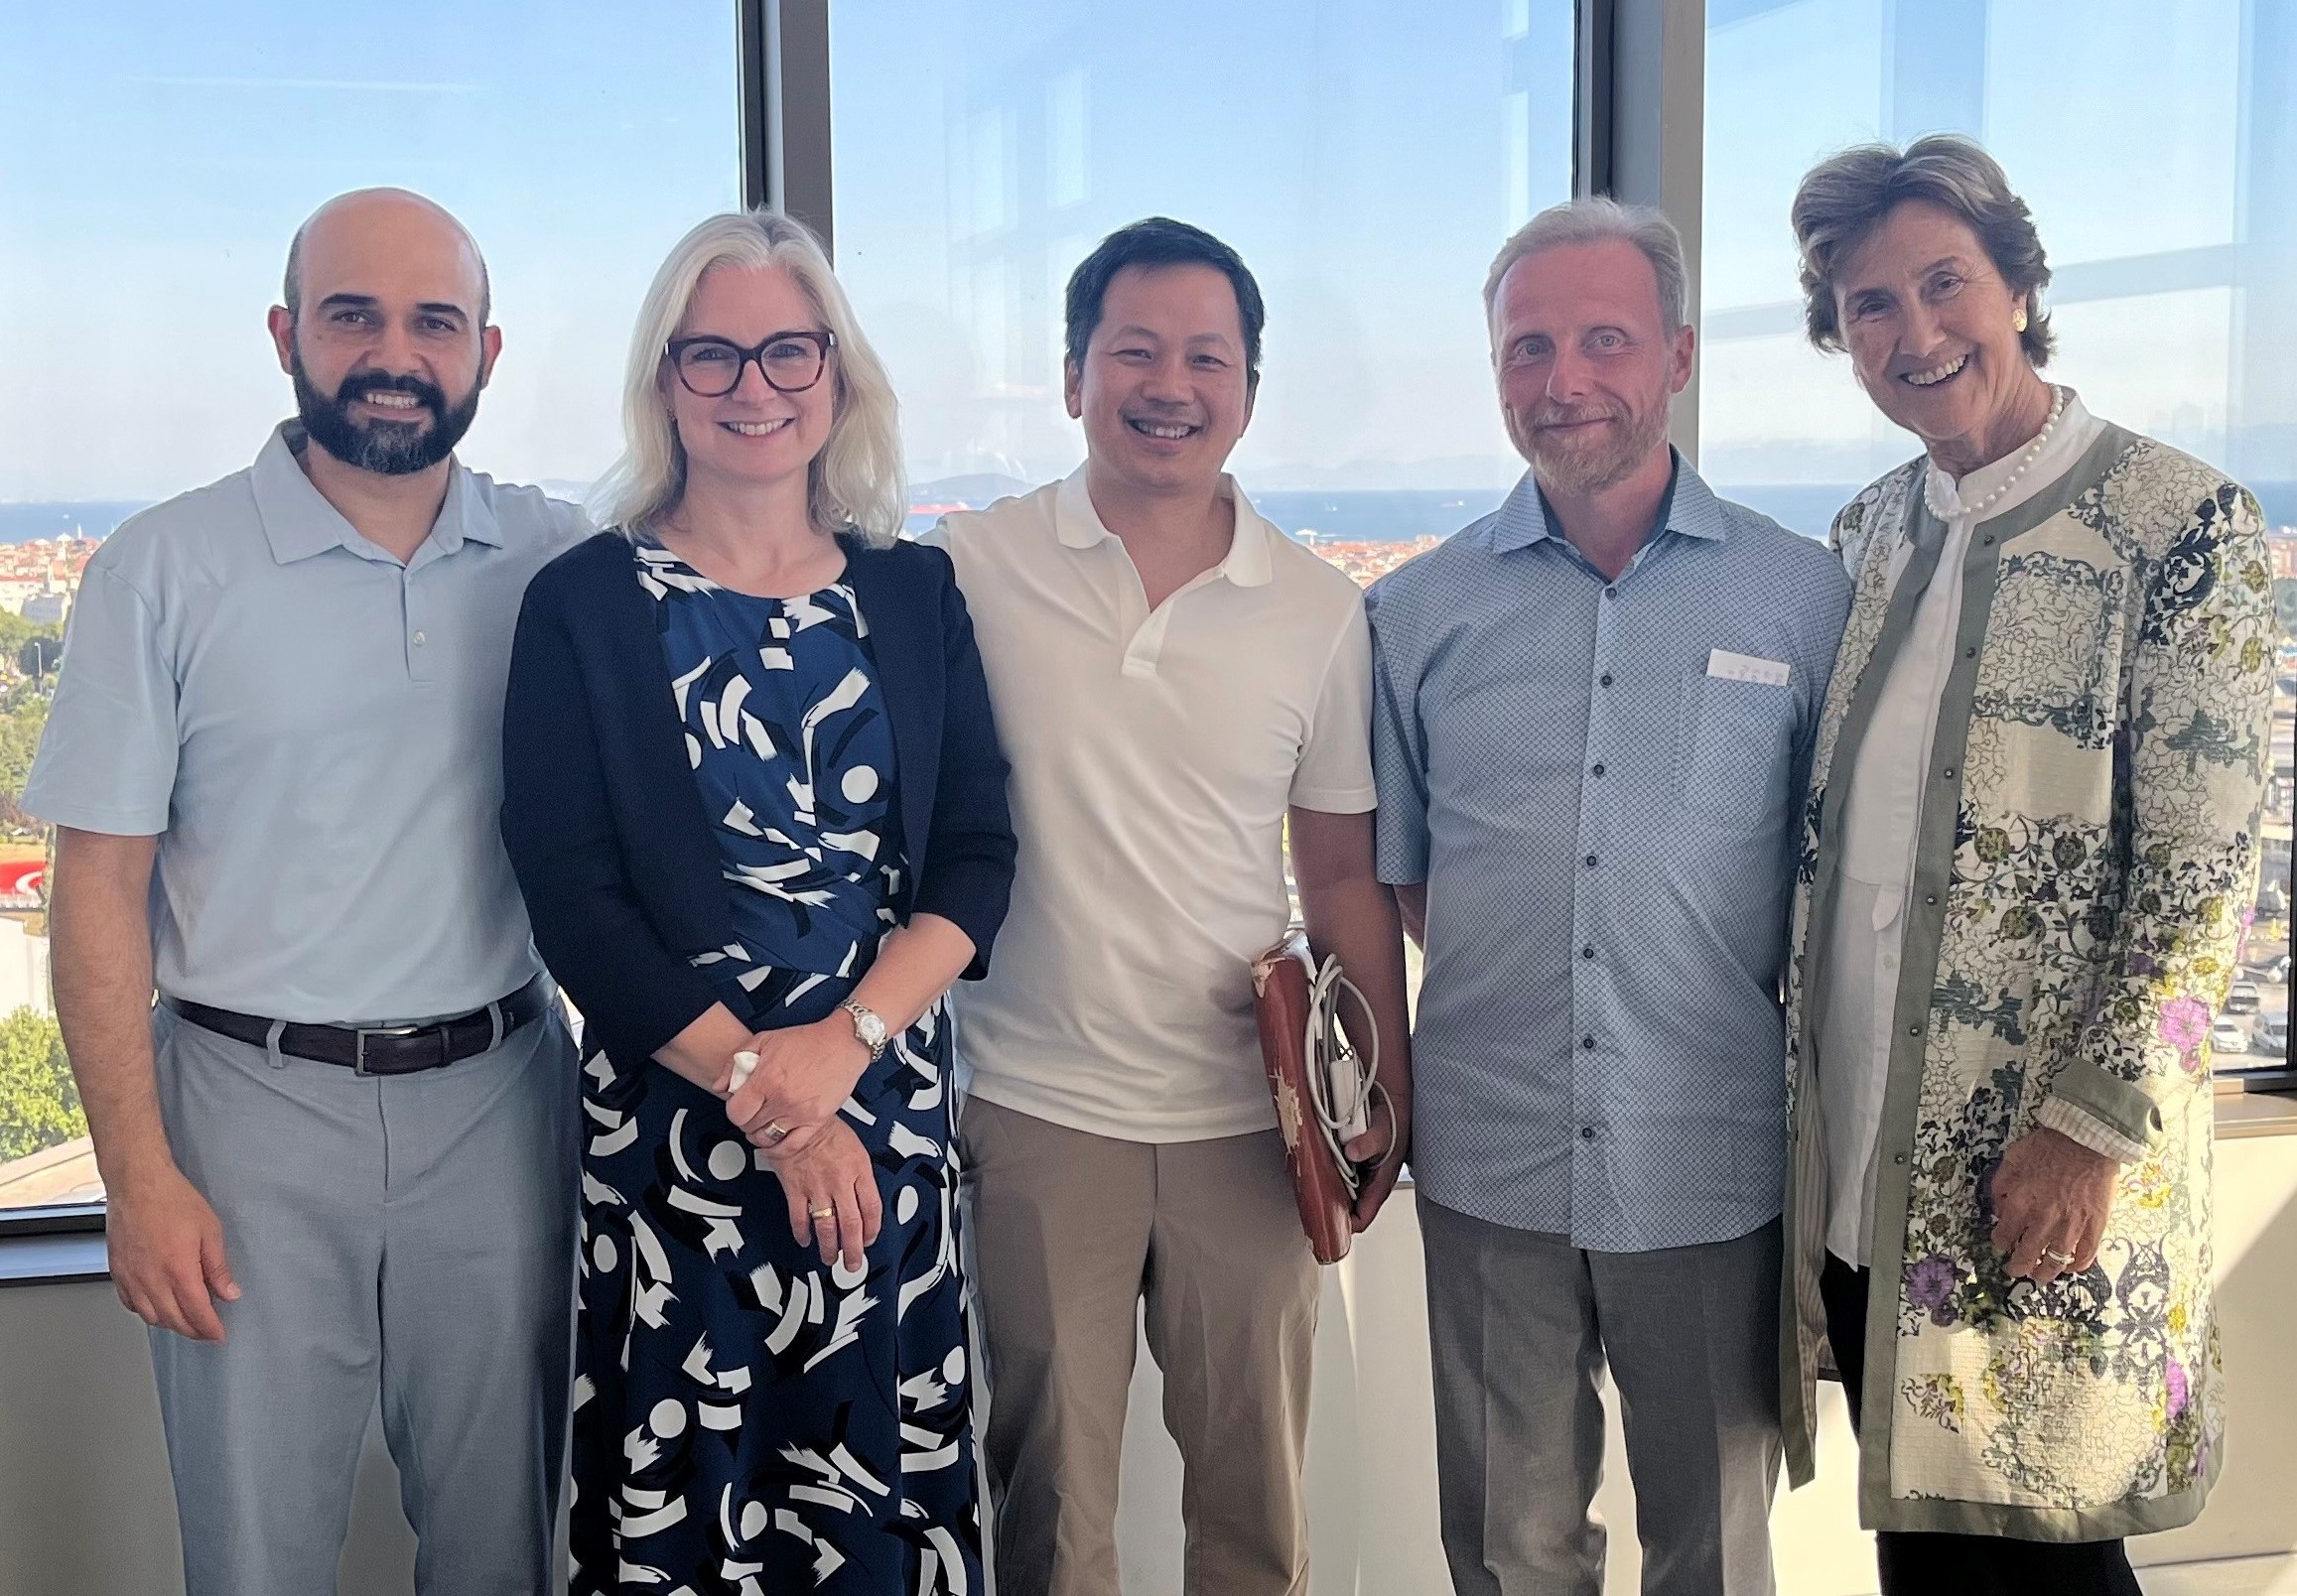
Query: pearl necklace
{"x": 1947, "y": 512}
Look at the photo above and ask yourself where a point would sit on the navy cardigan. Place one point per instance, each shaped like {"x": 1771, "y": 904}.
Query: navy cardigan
{"x": 605, "y": 829}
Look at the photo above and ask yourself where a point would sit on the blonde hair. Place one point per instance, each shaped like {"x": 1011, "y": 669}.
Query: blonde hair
{"x": 855, "y": 484}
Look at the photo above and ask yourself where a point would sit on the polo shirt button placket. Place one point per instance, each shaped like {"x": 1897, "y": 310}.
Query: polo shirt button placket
{"x": 417, "y": 630}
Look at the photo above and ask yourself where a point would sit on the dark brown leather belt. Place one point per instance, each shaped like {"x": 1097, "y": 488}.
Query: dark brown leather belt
{"x": 381, "y": 1049}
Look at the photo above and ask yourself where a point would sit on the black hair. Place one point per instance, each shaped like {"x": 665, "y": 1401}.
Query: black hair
{"x": 1151, "y": 242}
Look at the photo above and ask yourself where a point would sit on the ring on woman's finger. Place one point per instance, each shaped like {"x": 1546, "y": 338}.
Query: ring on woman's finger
{"x": 2056, "y": 1258}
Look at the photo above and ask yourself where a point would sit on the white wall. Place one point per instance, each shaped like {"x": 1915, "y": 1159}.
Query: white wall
{"x": 23, "y": 969}
{"x": 85, "y": 1503}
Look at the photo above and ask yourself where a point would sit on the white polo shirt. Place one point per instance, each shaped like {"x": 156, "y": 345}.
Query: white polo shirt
{"x": 1154, "y": 755}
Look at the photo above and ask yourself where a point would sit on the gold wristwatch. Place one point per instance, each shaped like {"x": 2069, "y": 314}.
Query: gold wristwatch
{"x": 868, "y": 1028}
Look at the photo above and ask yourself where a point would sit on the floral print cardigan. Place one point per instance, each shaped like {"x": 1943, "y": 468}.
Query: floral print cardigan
{"x": 2087, "y": 852}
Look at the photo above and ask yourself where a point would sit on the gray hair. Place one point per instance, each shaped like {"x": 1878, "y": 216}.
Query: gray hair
{"x": 855, "y": 484}
{"x": 1844, "y": 198}
{"x": 1593, "y": 220}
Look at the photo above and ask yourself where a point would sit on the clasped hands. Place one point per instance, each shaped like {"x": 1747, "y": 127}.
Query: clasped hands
{"x": 787, "y": 1108}
{"x": 804, "y": 1074}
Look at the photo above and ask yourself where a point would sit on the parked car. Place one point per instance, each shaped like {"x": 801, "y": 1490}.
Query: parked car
{"x": 2244, "y": 999}
{"x": 2227, "y": 1037}
{"x": 2272, "y": 1037}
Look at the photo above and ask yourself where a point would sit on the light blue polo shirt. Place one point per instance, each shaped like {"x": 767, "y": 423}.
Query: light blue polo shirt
{"x": 315, "y": 733}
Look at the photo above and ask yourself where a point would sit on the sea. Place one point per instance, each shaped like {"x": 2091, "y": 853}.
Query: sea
{"x": 1394, "y": 515}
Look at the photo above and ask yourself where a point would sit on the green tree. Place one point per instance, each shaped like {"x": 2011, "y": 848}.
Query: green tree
{"x": 15, "y": 632}
{"x": 39, "y": 1100}
{"x": 23, "y": 714}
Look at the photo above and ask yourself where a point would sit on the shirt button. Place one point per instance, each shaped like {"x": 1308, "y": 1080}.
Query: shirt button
{"x": 1611, "y": 593}
{"x": 1930, "y": 897}
{"x": 1588, "y": 1042}
{"x": 1899, "y": 1158}
{"x": 1587, "y": 1132}
{"x": 1914, "y": 1030}
{"x": 418, "y": 639}
{"x": 1969, "y": 653}
{"x": 1591, "y": 861}
{"x": 1949, "y": 772}
{"x": 1587, "y": 953}
{"x": 1604, "y": 679}
{"x": 1598, "y": 769}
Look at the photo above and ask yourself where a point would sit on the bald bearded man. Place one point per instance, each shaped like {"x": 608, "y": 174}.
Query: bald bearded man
{"x": 340, "y": 1146}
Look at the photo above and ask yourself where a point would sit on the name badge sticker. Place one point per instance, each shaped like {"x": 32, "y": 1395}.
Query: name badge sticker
{"x": 1746, "y": 667}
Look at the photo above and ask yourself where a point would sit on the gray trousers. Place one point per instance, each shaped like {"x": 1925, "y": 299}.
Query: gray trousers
{"x": 1521, "y": 1325}
{"x": 411, "y": 1235}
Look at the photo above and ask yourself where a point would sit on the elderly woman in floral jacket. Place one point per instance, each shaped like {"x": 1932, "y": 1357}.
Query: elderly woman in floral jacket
{"x": 2032, "y": 834}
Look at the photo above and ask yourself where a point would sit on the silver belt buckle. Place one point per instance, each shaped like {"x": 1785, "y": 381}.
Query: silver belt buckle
{"x": 360, "y": 1034}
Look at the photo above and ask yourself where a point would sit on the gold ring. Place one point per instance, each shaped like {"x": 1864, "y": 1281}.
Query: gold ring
{"x": 823, "y": 1213}
{"x": 2056, "y": 1257}
{"x": 776, "y": 1130}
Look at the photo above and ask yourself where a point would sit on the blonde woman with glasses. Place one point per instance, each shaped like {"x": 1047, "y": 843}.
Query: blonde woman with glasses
{"x": 756, "y": 805}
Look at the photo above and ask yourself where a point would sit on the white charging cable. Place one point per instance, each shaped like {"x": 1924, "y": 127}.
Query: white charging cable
{"x": 1343, "y": 1085}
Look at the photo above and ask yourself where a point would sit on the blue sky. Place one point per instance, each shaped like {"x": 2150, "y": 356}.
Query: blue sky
{"x": 1367, "y": 155}
{"x": 156, "y": 158}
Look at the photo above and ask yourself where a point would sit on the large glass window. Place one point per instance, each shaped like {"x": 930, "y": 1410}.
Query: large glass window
{"x": 1366, "y": 157}
{"x": 153, "y": 162}
{"x": 2157, "y": 145}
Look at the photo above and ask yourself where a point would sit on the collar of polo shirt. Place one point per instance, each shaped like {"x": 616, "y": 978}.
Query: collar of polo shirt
{"x": 299, "y": 522}
{"x": 1247, "y": 565}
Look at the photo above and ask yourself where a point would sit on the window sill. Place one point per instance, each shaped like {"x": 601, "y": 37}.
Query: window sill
{"x": 50, "y": 1246}
{"x": 2253, "y": 1109}
{"x": 52, "y": 1260}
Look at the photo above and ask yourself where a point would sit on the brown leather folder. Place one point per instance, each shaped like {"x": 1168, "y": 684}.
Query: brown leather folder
{"x": 1281, "y": 982}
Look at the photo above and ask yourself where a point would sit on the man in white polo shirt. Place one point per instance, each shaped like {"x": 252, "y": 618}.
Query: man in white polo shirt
{"x": 1172, "y": 676}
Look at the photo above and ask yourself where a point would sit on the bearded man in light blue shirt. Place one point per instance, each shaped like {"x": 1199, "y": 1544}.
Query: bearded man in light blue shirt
{"x": 340, "y": 1151}
{"x": 1593, "y": 722}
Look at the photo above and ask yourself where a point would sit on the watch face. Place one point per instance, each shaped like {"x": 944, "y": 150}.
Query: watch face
{"x": 870, "y": 1028}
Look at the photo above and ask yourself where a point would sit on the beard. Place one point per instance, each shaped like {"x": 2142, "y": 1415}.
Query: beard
{"x": 1583, "y": 466}
{"x": 386, "y": 448}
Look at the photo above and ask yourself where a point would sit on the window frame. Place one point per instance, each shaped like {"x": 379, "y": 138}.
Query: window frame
{"x": 783, "y": 158}
{"x": 1638, "y": 114}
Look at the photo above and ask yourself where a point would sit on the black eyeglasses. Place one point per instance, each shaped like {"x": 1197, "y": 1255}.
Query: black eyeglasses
{"x": 711, "y": 367}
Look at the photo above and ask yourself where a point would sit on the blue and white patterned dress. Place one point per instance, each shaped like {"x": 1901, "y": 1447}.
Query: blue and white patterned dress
{"x": 748, "y": 1420}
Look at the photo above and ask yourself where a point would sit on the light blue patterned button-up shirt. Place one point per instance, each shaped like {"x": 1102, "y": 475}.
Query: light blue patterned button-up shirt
{"x": 1600, "y": 783}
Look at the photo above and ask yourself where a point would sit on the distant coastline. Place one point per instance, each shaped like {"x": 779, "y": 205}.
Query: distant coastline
{"x": 92, "y": 518}
{"x": 1347, "y": 515}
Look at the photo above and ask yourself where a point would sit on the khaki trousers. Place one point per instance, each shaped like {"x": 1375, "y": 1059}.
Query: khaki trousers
{"x": 1070, "y": 1233}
